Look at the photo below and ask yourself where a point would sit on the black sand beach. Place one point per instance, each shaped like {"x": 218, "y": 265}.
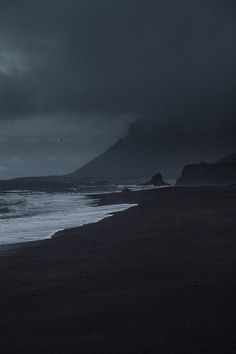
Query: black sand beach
{"x": 157, "y": 278}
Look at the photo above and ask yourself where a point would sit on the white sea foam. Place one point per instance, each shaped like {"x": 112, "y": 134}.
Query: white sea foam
{"x": 35, "y": 216}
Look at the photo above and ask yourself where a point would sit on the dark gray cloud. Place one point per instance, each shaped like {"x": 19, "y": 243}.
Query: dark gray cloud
{"x": 161, "y": 59}
{"x": 113, "y": 55}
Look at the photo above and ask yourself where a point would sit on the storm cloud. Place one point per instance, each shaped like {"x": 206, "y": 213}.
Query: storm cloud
{"x": 113, "y": 61}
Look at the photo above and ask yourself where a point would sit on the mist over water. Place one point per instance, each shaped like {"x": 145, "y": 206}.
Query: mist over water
{"x": 31, "y": 216}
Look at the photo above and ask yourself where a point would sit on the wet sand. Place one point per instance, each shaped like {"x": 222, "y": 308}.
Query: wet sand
{"x": 157, "y": 278}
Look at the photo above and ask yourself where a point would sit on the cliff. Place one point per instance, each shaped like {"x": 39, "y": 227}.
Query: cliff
{"x": 219, "y": 172}
{"x": 132, "y": 159}
{"x": 147, "y": 148}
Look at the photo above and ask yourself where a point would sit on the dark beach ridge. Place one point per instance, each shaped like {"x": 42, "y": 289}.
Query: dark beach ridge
{"x": 156, "y": 278}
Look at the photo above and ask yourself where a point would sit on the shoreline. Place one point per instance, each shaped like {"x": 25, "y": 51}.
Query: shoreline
{"x": 99, "y": 199}
{"x": 62, "y": 232}
{"x": 159, "y": 277}
{"x": 89, "y": 211}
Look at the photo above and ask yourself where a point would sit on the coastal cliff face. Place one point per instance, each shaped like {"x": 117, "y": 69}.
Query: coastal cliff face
{"x": 133, "y": 158}
{"x": 220, "y": 172}
{"x": 148, "y": 148}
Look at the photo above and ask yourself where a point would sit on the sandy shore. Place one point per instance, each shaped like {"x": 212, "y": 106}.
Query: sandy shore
{"x": 157, "y": 278}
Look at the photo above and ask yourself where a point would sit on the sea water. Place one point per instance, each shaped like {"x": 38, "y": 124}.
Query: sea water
{"x": 30, "y": 216}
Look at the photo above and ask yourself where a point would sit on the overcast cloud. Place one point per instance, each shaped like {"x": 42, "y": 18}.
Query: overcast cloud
{"x": 81, "y": 70}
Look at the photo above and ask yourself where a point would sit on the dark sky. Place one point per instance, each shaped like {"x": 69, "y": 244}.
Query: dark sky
{"x": 73, "y": 74}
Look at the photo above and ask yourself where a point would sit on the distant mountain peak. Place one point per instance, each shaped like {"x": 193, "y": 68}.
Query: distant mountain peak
{"x": 150, "y": 146}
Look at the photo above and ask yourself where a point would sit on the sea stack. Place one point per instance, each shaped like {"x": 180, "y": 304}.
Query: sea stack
{"x": 156, "y": 180}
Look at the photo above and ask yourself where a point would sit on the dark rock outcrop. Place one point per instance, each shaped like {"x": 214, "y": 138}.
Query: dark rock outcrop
{"x": 146, "y": 148}
{"x": 126, "y": 191}
{"x": 156, "y": 180}
{"x": 220, "y": 172}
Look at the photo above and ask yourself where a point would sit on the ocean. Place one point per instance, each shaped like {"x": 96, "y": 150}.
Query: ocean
{"x": 30, "y": 216}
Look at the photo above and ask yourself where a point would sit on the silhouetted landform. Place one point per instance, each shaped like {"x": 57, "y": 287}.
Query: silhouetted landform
{"x": 147, "y": 148}
{"x": 132, "y": 160}
{"x": 220, "y": 172}
{"x": 49, "y": 183}
{"x": 126, "y": 190}
{"x": 156, "y": 180}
